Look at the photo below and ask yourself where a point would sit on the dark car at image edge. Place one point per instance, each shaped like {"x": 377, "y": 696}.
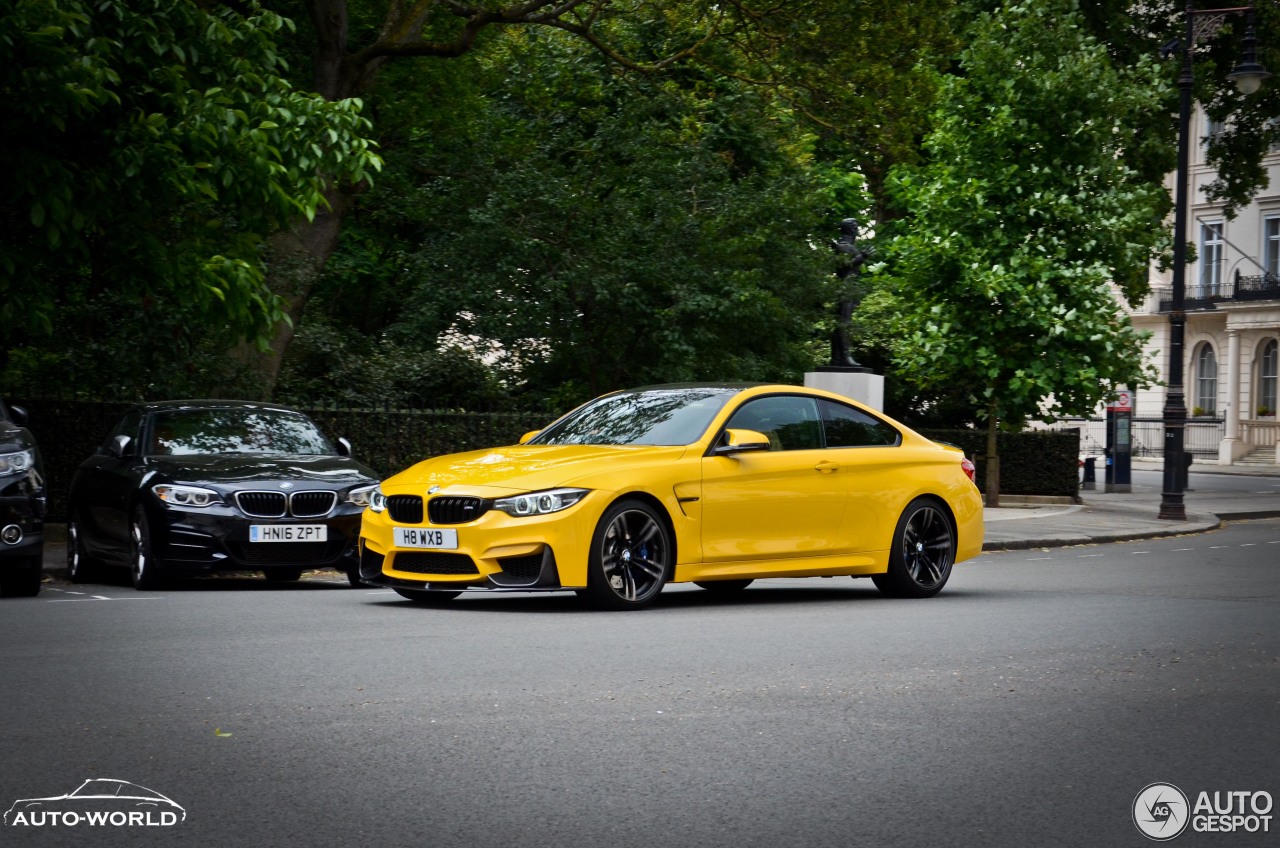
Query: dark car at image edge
{"x": 183, "y": 488}
{"x": 22, "y": 506}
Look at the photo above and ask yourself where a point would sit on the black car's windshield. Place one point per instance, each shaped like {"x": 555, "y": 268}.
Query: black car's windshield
{"x": 665, "y": 416}
{"x": 182, "y": 432}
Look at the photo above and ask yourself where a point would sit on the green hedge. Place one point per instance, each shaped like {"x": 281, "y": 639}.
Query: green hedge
{"x": 1031, "y": 463}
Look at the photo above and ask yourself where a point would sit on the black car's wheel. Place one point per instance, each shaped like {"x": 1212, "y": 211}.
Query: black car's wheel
{"x": 723, "y": 587}
{"x": 631, "y": 557}
{"x": 144, "y": 571}
{"x": 283, "y": 575}
{"x": 426, "y": 597}
{"x": 80, "y": 568}
{"x": 353, "y": 576}
{"x": 923, "y": 551}
{"x": 21, "y": 577}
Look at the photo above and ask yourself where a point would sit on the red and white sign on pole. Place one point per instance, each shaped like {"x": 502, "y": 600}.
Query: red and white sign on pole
{"x": 1123, "y": 401}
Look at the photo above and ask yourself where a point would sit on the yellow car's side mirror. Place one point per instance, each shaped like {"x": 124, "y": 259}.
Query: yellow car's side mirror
{"x": 741, "y": 441}
{"x": 529, "y": 435}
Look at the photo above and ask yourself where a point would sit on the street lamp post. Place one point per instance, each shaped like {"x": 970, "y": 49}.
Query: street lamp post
{"x": 1248, "y": 76}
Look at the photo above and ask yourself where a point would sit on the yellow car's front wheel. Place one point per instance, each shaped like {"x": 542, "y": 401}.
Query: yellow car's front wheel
{"x": 631, "y": 557}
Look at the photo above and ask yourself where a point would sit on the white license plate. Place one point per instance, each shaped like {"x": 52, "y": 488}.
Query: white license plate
{"x": 288, "y": 533}
{"x": 417, "y": 537}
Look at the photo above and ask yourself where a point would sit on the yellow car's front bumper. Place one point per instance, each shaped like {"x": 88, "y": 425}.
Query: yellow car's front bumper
{"x": 495, "y": 551}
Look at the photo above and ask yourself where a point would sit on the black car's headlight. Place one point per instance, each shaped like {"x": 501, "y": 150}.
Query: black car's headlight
{"x": 368, "y": 496}
{"x": 16, "y": 463}
{"x": 176, "y": 495}
{"x": 540, "y": 503}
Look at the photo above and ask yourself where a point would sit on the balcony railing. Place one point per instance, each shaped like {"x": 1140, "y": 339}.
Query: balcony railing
{"x": 1204, "y": 297}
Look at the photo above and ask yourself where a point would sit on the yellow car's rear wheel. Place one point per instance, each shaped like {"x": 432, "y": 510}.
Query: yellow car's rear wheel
{"x": 923, "y": 551}
{"x": 631, "y": 557}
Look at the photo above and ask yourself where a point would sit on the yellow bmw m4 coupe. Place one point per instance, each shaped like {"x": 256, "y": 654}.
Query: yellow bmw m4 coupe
{"x": 715, "y": 484}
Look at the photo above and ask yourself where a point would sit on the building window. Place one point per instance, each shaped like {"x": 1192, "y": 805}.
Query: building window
{"x": 1206, "y": 382}
{"x": 1211, "y": 259}
{"x": 1271, "y": 245}
{"x": 1267, "y": 369}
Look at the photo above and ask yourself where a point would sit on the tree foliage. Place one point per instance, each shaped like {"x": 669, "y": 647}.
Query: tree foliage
{"x": 1025, "y": 214}
{"x": 149, "y": 147}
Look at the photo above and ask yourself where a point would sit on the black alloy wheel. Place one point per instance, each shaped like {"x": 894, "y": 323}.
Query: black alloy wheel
{"x": 631, "y": 557}
{"x": 144, "y": 571}
{"x": 923, "y": 551}
{"x": 80, "y": 569}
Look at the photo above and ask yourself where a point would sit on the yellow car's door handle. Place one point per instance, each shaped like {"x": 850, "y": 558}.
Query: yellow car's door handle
{"x": 826, "y": 467}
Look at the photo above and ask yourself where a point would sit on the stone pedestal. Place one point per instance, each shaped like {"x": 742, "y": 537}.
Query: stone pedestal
{"x": 862, "y": 386}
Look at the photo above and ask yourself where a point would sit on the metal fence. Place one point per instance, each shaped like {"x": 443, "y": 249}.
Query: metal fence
{"x": 1201, "y": 439}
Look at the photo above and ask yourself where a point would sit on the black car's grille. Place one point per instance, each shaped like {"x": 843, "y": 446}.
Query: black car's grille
{"x": 262, "y": 504}
{"x": 432, "y": 562}
{"x": 278, "y": 505}
{"x": 455, "y": 510}
{"x": 307, "y": 554}
{"x": 312, "y": 504}
{"x": 524, "y": 569}
{"x": 405, "y": 509}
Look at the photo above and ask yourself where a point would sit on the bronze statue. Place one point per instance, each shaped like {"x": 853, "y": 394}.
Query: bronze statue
{"x": 851, "y": 259}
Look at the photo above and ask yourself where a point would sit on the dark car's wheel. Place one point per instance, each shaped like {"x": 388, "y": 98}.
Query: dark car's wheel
{"x": 144, "y": 571}
{"x": 283, "y": 575}
{"x": 353, "y": 576}
{"x": 21, "y": 577}
{"x": 723, "y": 587}
{"x": 631, "y": 557}
{"x": 426, "y": 597}
{"x": 80, "y": 568}
{"x": 922, "y": 553}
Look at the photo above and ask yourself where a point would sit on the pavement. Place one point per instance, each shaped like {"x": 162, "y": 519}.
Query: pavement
{"x": 1100, "y": 516}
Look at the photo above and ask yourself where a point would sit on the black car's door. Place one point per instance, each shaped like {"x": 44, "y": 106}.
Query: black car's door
{"x": 105, "y": 486}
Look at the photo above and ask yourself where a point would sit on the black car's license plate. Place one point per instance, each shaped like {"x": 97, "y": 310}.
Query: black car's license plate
{"x": 288, "y": 533}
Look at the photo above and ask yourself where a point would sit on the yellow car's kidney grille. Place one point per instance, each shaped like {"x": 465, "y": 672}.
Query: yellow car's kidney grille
{"x": 433, "y": 562}
{"x": 405, "y": 509}
{"x": 456, "y": 510}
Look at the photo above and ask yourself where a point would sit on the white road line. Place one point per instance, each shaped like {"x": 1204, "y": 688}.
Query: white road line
{"x": 103, "y": 598}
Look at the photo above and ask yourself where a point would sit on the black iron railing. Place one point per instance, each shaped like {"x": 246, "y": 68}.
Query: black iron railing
{"x": 1240, "y": 288}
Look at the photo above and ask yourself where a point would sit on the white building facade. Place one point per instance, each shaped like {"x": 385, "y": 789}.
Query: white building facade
{"x": 1231, "y": 354}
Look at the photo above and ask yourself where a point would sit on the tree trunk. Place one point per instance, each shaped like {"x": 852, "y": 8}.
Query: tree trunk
{"x": 993, "y": 459}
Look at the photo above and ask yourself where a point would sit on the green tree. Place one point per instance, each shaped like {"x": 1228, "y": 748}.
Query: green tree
{"x": 1024, "y": 216}
{"x": 149, "y": 147}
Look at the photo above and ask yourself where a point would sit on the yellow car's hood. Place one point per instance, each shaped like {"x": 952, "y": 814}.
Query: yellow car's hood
{"x": 528, "y": 468}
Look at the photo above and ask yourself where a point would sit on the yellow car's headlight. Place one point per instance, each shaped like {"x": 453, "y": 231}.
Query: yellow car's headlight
{"x": 540, "y": 503}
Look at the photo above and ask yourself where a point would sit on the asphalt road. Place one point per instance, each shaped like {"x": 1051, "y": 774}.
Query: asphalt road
{"x": 1026, "y": 706}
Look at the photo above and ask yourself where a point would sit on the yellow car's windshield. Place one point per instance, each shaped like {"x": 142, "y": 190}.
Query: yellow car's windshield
{"x": 673, "y": 415}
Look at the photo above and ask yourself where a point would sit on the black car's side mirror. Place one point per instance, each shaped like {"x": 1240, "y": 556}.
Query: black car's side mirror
{"x": 119, "y": 446}
{"x": 18, "y": 415}
{"x": 740, "y": 441}
{"x": 344, "y": 446}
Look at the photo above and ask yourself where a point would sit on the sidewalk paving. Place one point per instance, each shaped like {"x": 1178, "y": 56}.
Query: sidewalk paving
{"x": 1113, "y": 517}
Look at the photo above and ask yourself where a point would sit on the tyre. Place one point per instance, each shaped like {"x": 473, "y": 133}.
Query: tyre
{"x": 723, "y": 587}
{"x": 353, "y": 576}
{"x": 80, "y": 568}
{"x": 21, "y": 577}
{"x": 631, "y": 557}
{"x": 144, "y": 571}
{"x": 425, "y": 596}
{"x": 922, "y": 553}
{"x": 283, "y": 575}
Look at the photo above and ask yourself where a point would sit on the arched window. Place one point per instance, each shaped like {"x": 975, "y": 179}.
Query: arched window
{"x": 1268, "y": 360}
{"x": 1207, "y": 381}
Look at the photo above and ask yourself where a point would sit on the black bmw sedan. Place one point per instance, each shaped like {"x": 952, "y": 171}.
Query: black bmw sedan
{"x": 22, "y": 504}
{"x": 190, "y": 487}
